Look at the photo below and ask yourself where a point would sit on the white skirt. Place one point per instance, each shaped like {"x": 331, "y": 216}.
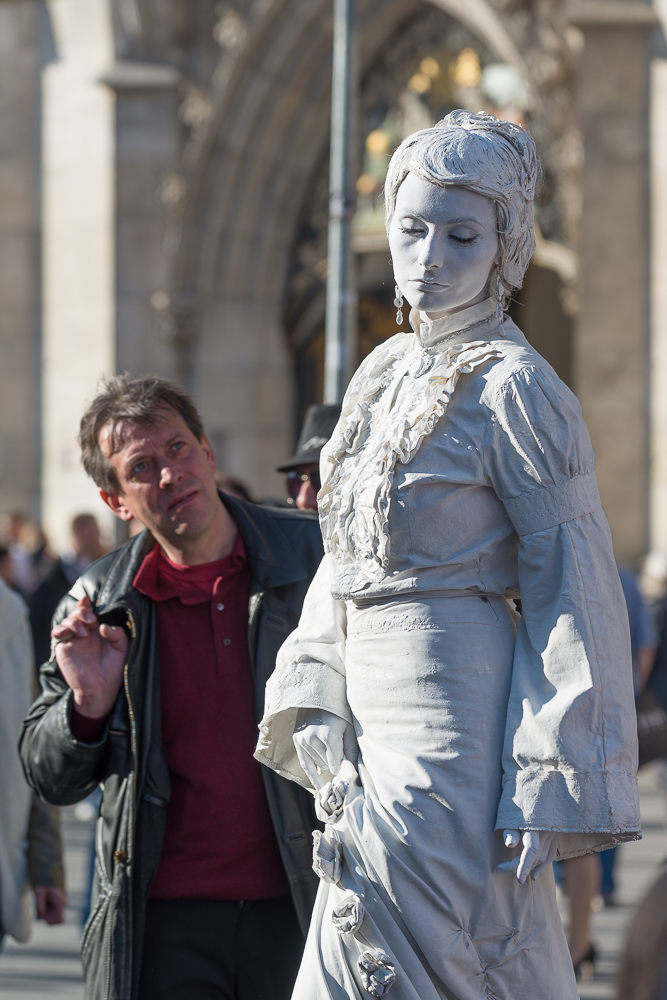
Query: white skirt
{"x": 409, "y": 900}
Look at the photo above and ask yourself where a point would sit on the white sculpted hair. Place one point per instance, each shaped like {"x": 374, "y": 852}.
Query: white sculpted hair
{"x": 494, "y": 158}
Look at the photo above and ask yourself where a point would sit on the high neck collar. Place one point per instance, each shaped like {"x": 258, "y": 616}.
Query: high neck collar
{"x": 433, "y": 335}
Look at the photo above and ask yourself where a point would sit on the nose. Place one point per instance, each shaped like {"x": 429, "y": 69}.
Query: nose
{"x": 169, "y": 476}
{"x": 307, "y": 498}
{"x": 430, "y": 255}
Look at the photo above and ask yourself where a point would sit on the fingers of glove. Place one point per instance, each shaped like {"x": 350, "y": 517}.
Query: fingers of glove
{"x": 530, "y": 857}
{"x": 314, "y": 746}
{"x": 512, "y": 838}
{"x": 550, "y": 851}
{"x": 508, "y": 867}
{"x": 308, "y": 765}
{"x": 334, "y": 751}
{"x": 350, "y": 745}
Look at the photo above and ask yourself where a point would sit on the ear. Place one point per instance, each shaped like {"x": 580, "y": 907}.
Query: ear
{"x": 210, "y": 454}
{"x": 117, "y": 506}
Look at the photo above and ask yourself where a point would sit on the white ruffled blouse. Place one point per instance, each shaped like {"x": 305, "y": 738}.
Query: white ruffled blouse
{"x": 461, "y": 464}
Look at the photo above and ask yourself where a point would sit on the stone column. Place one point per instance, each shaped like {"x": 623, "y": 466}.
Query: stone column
{"x": 78, "y": 260}
{"x": 19, "y": 251}
{"x": 658, "y": 516}
{"x": 611, "y": 335}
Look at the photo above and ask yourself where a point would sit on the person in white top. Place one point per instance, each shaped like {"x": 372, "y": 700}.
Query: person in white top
{"x": 456, "y": 748}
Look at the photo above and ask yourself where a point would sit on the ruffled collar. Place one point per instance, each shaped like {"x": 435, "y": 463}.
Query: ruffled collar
{"x": 433, "y": 336}
{"x": 392, "y": 404}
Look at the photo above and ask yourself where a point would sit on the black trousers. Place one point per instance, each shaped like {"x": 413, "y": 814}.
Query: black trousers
{"x": 202, "y": 949}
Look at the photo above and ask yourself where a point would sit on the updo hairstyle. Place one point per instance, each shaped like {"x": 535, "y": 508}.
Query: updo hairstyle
{"x": 494, "y": 158}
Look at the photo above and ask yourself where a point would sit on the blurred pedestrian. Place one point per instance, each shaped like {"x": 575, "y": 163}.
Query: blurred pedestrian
{"x": 86, "y": 548}
{"x": 30, "y": 849}
{"x": 28, "y": 550}
{"x": 587, "y": 876}
{"x": 643, "y": 971}
{"x": 643, "y": 643}
{"x": 654, "y": 586}
{"x": 6, "y": 567}
{"x": 203, "y": 879}
{"x": 303, "y": 468}
{"x": 643, "y": 631}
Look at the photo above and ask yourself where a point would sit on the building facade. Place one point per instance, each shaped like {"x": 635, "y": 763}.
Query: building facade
{"x": 163, "y": 208}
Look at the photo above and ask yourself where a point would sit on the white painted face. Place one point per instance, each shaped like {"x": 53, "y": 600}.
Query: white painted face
{"x": 444, "y": 243}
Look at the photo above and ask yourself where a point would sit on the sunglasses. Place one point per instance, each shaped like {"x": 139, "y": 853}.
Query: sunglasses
{"x": 295, "y": 481}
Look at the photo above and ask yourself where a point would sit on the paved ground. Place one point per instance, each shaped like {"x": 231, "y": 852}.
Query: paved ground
{"x": 48, "y": 966}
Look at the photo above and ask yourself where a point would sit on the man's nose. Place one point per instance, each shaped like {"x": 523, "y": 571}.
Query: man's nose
{"x": 169, "y": 475}
{"x": 307, "y": 498}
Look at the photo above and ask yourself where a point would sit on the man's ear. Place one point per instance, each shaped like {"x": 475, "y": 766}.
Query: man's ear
{"x": 117, "y": 506}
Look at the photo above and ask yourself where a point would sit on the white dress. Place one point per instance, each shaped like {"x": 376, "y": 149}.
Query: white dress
{"x": 459, "y": 476}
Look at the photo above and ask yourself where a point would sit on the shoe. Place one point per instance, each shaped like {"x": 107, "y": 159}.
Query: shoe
{"x": 585, "y": 967}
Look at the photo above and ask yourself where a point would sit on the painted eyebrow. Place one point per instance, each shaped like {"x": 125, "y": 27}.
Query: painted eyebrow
{"x": 464, "y": 220}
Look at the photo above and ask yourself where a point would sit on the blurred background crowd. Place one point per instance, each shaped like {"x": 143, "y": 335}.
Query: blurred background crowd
{"x": 164, "y": 208}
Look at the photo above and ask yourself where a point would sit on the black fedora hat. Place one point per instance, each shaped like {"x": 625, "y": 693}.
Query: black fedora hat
{"x": 316, "y": 431}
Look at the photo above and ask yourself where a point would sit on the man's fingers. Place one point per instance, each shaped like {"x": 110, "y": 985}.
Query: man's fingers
{"x": 512, "y": 838}
{"x": 79, "y": 622}
{"x": 115, "y": 636}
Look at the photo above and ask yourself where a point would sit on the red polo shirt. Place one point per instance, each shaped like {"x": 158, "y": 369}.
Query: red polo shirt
{"x": 219, "y": 840}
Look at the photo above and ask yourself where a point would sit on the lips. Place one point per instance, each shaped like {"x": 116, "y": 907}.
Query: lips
{"x": 177, "y": 505}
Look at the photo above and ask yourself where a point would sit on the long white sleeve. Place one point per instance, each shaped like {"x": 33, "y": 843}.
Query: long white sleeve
{"x": 569, "y": 757}
{"x": 310, "y": 673}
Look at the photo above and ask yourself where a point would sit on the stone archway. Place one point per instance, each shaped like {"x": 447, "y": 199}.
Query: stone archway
{"x": 248, "y": 171}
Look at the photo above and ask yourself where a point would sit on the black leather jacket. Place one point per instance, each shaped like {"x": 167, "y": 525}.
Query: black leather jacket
{"x": 284, "y": 549}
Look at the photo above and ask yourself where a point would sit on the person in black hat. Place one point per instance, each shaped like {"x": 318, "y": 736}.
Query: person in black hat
{"x": 303, "y": 468}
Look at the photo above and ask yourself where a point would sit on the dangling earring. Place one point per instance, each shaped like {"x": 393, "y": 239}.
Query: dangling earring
{"x": 500, "y": 312}
{"x": 398, "y": 302}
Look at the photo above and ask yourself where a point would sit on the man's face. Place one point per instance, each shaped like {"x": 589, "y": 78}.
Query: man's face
{"x": 303, "y": 484}
{"x": 165, "y": 476}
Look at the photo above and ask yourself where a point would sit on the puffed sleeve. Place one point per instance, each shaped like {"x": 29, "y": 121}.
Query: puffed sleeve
{"x": 310, "y": 673}
{"x": 570, "y": 752}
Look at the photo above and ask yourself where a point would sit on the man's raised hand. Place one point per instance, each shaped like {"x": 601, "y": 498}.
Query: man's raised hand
{"x": 91, "y": 658}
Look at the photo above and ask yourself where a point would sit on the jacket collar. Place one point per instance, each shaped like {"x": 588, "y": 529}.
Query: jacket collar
{"x": 273, "y": 562}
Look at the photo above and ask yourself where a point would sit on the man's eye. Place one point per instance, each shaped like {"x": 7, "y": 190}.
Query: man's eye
{"x": 138, "y": 468}
{"x": 177, "y": 445}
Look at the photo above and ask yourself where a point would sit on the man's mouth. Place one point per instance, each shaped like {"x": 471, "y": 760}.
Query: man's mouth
{"x": 177, "y": 505}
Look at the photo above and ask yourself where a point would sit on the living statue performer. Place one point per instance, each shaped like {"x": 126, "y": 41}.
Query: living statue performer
{"x": 456, "y": 748}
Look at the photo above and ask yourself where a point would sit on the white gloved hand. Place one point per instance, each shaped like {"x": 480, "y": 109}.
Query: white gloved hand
{"x": 323, "y": 741}
{"x": 539, "y": 850}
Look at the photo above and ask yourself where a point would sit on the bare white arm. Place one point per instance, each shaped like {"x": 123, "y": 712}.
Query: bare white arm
{"x": 323, "y": 741}
{"x": 539, "y": 850}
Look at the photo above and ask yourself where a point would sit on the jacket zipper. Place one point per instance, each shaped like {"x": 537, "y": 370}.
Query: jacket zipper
{"x": 133, "y": 746}
{"x": 255, "y": 604}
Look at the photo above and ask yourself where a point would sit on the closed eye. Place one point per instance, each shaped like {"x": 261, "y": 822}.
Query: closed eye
{"x": 464, "y": 241}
